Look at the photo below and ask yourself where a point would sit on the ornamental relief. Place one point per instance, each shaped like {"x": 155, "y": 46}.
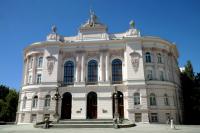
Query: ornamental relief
{"x": 50, "y": 63}
{"x": 135, "y": 60}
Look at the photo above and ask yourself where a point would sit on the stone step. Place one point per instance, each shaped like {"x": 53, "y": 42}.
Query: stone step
{"x": 85, "y": 122}
{"x": 82, "y": 125}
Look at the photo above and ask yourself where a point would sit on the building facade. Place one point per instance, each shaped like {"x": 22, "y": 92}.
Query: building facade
{"x": 87, "y": 69}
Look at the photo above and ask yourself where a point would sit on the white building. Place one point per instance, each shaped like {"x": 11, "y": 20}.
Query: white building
{"x": 89, "y": 67}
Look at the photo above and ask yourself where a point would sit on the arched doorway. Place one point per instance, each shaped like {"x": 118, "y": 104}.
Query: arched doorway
{"x": 120, "y": 104}
{"x": 66, "y": 106}
{"x": 92, "y": 105}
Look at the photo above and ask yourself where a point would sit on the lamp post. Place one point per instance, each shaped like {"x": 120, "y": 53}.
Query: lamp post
{"x": 56, "y": 98}
{"x": 116, "y": 114}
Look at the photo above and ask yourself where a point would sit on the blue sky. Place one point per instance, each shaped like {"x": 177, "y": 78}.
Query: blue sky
{"x": 26, "y": 21}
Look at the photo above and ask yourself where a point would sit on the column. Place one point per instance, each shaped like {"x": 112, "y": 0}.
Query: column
{"x": 83, "y": 68}
{"x": 155, "y": 70}
{"x": 101, "y": 67}
{"x": 26, "y": 67}
{"x": 107, "y": 66}
{"x": 34, "y": 70}
{"x": 77, "y": 68}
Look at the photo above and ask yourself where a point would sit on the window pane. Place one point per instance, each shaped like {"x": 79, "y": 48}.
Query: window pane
{"x": 116, "y": 71}
{"x": 69, "y": 72}
{"x": 92, "y": 71}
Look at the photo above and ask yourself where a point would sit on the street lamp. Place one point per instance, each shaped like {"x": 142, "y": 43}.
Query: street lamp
{"x": 116, "y": 114}
{"x": 56, "y": 97}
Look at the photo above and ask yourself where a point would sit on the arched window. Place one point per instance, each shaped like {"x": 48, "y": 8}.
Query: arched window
{"x": 69, "y": 73}
{"x": 24, "y": 102}
{"x": 166, "y": 100}
{"x": 92, "y": 72}
{"x": 117, "y": 71}
{"x": 35, "y": 101}
{"x": 136, "y": 98}
{"x": 47, "y": 101}
{"x": 39, "y": 62}
{"x": 159, "y": 58}
{"x": 152, "y": 99}
{"x": 148, "y": 57}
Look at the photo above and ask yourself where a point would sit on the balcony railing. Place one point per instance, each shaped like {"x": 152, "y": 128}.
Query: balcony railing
{"x": 117, "y": 82}
{"x": 91, "y": 82}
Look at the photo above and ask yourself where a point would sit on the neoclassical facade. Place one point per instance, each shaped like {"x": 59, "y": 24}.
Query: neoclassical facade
{"x": 90, "y": 67}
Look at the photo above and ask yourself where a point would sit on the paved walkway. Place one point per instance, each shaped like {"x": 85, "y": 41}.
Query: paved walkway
{"x": 140, "y": 128}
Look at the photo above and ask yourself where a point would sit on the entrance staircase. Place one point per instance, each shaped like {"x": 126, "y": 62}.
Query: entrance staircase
{"x": 85, "y": 123}
{"x": 80, "y": 123}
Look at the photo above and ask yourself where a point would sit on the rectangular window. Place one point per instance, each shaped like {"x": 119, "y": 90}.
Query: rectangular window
{"x": 30, "y": 79}
{"x": 161, "y": 76}
{"x": 39, "y": 78}
{"x": 39, "y": 62}
{"x": 31, "y": 63}
{"x": 149, "y": 74}
{"x": 154, "y": 117}
{"x": 22, "y": 117}
{"x": 138, "y": 117}
{"x": 33, "y": 118}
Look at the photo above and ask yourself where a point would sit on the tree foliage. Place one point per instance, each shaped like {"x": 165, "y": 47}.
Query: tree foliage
{"x": 191, "y": 94}
{"x": 8, "y": 104}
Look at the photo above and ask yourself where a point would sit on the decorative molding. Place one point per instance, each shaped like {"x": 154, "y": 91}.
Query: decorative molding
{"x": 135, "y": 60}
{"x": 50, "y": 63}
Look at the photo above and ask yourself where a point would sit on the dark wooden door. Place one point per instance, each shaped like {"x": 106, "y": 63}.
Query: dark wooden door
{"x": 92, "y": 105}
{"x": 66, "y": 106}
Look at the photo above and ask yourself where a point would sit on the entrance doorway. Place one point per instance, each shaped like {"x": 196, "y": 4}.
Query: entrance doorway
{"x": 66, "y": 106}
{"x": 92, "y": 105}
{"x": 120, "y": 104}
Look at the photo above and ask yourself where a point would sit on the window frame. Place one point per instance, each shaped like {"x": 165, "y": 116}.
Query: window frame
{"x": 92, "y": 72}
{"x": 35, "y": 102}
{"x": 39, "y": 62}
{"x": 24, "y": 102}
{"x": 117, "y": 72}
{"x": 47, "y": 101}
{"x": 152, "y": 99}
{"x": 39, "y": 78}
{"x": 148, "y": 57}
{"x": 159, "y": 58}
{"x": 68, "y": 77}
{"x": 166, "y": 100}
{"x": 136, "y": 98}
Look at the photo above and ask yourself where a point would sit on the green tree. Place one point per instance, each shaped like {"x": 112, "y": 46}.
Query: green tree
{"x": 8, "y": 106}
{"x": 191, "y": 94}
{"x": 189, "y": 70}
{"x": 4, "y": 90}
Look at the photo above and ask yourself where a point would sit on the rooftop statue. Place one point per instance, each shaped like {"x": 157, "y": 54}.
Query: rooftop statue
{"x": 93, "y": 19}
{"x": 54, "y": 29}
{"x": 132, "y": 24}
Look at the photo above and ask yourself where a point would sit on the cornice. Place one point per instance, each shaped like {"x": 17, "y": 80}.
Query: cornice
{"x": 105, "y": 43}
